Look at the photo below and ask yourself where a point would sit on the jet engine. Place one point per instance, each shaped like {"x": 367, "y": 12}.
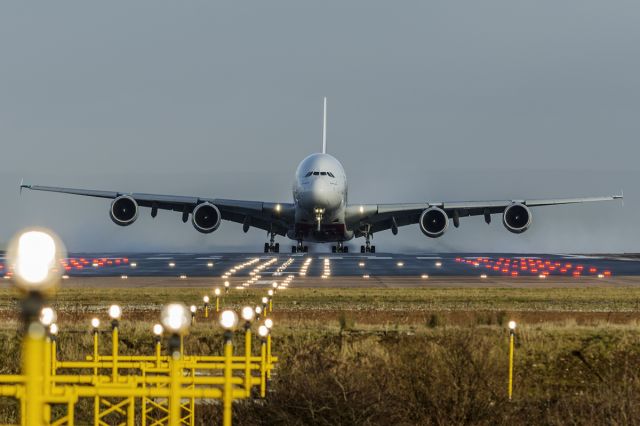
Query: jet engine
{"x": 206, "y": 218}
{"x": 434, "y": 222}
{"x": 517, "y": 218}
{"x": 124, "y": 210}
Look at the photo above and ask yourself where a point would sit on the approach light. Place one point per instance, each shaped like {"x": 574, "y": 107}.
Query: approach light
{"x": 34, "y": 256}
{"x": 226, "y": 284}
{"x": 268, "y": 323}
{"x": 270, "y": 292}
{"x": 216, "y": 291}
{"x": 205, "y": 299}
{"x": 274, "y": 284}
{"x": 193, "y": 309}
{"x": 175, "y": 318}
{"x": 258, "y": 310}
{"x": 263, "y": 331}
{"x": 115, "y": 312}
{"x": 53, "y": 329}
{"x": 228, "y": 319}
{"x": 247, "y": 313}
{"x": 265, "y": 300}
{"x": 47, "y": 316}
{"x": 95, "y": 322}
{"x": 158, "y": 329}
{"x": 512, "y": 325}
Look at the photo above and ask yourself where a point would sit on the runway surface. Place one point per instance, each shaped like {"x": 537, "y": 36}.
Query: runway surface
{"x": 420, "y": 266}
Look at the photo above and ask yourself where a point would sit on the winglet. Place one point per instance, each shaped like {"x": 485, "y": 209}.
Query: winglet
{"x": 22, "y": 185}
{"x": 324, "y": 127}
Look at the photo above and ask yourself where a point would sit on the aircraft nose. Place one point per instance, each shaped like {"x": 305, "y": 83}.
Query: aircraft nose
{"x": 320, "y": 194}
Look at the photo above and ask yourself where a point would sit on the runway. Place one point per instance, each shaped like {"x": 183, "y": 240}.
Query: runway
{"x": 406, "y": 266}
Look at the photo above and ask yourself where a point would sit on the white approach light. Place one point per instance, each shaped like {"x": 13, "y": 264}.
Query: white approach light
{"x": 216, "y": 291}
{"x": 263, "y": 331}
{"x": 274, "y": 284}
{"x": 175, "y": 318}
{"x": 35, "y": 257}
{"x": 512, "y": 325}
{"x": 258, "y": 310}
{"x": 270, "y": 292}
{"x": 115, "y": 312}
{"x": 53, "y": 329}
{"x": 47, "y": 316}
{"x": 205, "y": 299}
{"x": 268, "y": 323}
{"x": 247, "y": 313}
{"x": 158, "y": 329}
{"x": 265, "y": 300}
{"x": 95, "y": 322}
{"x": 193, "y": 309}
{"x": 228, "y": 320}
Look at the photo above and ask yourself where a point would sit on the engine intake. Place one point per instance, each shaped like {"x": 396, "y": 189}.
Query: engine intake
{"x": 124, "y": 210}
{"x": 206, "y": 218}
{"x": 434, "y": 222}
{"x": 517, "y": 218}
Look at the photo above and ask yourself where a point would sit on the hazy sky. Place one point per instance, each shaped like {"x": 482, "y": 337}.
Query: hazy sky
{"x": 427, "y": 101}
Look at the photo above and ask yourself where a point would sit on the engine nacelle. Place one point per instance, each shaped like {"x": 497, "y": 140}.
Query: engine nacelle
{"x": 124, "y": 210}
{"x": 517, "y": 218}
{"x": 434, "y": 222}
{"x": 206, "y": 218}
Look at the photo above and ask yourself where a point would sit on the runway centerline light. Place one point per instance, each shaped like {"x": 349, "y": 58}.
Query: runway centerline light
{"x": 175, "y": 318}
{"x": 35, "y": 257}
{"x": 115, "y": 312}
{"x": 228, "y": 320}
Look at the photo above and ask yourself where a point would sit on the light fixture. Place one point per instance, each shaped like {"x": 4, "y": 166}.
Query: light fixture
{"x": 115, "y": 312}
{"x": 35, "y": 256}
{"x": 47, "y": 316}
{"x": 175, "y": 318}
{"x": 265, "y": 300}
{"x": 216, "y": 291}
{"x": 258, "y": 310}
{"x": 228, "y": 319}
{"x": 158, "y": 329}
{"x": 270, "y": 292}
{"x": 193, "y": 309}
{"x": 53, "y": 329}
{"x": 205, "y": 299}
{"x": 247, "y": 313}
{"x": 268, "y": 323}
{"x": 512, "y": 325}
{"x": 95, "y": 322}
{"x": 263, "y": 331}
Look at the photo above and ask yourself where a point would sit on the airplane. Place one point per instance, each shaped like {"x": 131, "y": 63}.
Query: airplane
{"x": 320, "y": 211}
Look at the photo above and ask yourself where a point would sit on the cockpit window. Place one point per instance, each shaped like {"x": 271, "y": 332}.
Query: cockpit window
{"x": 330, "y": 174}
{"x": 308, "y": 174}
{"x": 323, "y": 173}
{"x": 316, "y": 173}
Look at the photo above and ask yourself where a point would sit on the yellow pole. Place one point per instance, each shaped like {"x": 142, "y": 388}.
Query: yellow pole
{"x": 158, "y": 352}
{"x": 54, "y": 357}
{"x": 511, "y": 341}
{"x": 114, "y": 353}
{"x": 181, "y": 346}
{"x": 46, "y": 377}
{"x": 95, "y": 352}
{"x": 271, "y": 304}
{"x": 33, "y": 360}
{"x": 228, "y": 386}
{"x": 174, "y": 399}
{"x": 263, "y": 368}
{"x": 269, "y": 355}
{"x": 217, "y": 304}
{"x": 206, "y": 310}
{"x": 247, "y": 363}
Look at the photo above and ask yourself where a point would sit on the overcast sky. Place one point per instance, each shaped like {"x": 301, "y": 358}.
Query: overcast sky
{"x": 427, "y": 101}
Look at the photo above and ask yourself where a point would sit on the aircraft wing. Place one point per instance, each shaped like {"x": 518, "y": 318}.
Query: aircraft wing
{"x": 380, "y": 217}
{"x": 274, "y": 217}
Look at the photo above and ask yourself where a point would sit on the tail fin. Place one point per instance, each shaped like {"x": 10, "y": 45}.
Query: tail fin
{"x": 324, "y": 127}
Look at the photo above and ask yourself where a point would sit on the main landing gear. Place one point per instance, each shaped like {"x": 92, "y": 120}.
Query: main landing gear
{"x": 367, "y": 248}
{"x": 340, "y": 248}
{"x": 299, "y": 248}
{"x": 272, "y": 246}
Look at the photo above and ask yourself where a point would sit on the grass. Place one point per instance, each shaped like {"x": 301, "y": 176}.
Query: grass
{"x": 404, "y": 357}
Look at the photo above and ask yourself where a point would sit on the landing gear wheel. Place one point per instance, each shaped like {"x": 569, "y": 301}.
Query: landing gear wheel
{"x": 373, "y": 249}
{"x": 362, "y": 250}
{"x": 306, "y": 249}
{"x": 276, "y": 248}
{"x": 266, "y": 247}
{"x": 334, "y": 249}
{"x": 345, "y": 249}
{"x": 294, "y": 249}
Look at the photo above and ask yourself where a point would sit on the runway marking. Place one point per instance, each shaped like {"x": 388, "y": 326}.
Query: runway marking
{"x": 379, "y": 257}
{"x": 429, "y": 257}
{"x": 209, "y": 258}
{"x": 159, "y": 258}
{"x": 580, "y": 256}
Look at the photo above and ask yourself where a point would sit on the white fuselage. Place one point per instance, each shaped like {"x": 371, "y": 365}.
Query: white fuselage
{"x": 320, "y": 199}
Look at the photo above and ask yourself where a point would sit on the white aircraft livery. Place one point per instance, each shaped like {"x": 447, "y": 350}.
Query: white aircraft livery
{"x": 320, "y": 211}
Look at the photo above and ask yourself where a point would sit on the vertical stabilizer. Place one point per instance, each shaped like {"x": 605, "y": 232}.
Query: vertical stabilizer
{"x": 324, "y": 127}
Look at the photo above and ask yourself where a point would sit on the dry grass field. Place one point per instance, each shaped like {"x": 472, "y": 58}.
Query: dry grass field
{"x": 398, "y": 356}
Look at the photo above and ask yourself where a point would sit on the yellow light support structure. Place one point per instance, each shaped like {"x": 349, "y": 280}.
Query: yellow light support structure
{"x": 512, "y": 334}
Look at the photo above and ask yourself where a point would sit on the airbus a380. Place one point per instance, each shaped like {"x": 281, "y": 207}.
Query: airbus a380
{"x": 320, "y": 211}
